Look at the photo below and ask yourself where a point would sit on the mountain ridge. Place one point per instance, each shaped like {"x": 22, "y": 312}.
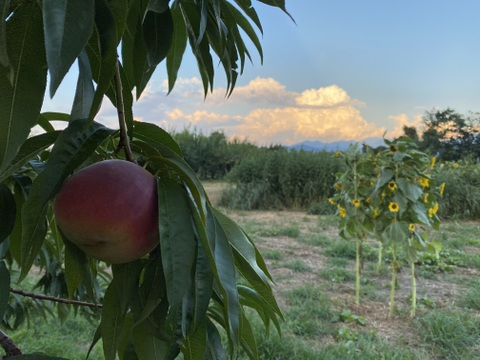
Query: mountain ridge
{"x": 341, "y": 145}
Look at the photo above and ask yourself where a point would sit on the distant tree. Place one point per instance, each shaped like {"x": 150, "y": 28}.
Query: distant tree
{"x": 450, "y": 135}
{"x": 411, "y": 132}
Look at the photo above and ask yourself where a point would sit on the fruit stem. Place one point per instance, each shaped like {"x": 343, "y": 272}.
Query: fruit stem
{"x": 124, "y": 141}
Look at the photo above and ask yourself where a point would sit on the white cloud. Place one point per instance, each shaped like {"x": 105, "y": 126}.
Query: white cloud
{"x": 331, "y": 95}
{"x": 402, "y": 120}
{"x": 264, "y": 111}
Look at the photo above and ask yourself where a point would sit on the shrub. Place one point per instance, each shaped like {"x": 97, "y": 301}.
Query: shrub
{"x": 276, "y": 178}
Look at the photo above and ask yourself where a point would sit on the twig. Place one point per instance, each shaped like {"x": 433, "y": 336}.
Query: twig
{"x": 8, "y": 345}
{"x": 124, "y": 142}
{"x": 53, "y": 298}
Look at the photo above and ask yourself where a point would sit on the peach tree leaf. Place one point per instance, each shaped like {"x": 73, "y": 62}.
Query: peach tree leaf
{"x": 23, "y": 82}
{"x": 68, "y": 25}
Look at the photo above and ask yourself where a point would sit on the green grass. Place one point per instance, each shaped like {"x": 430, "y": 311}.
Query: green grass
{"x": 454, "y": 334}
{"x": 70, "y": 340}
{"x": 297, "y": 265}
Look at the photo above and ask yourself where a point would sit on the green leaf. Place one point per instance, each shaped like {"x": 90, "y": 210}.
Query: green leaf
{"x": 248, "y": 341}
{"x": 84, "y": 93}
{"x": 8, "y": 210}
{"x": 22, "y": 93}
{"x": 227, "y": 276}
{"x": 147, "y": 346}
{"x": 396, "y": 233}
{"x": 410, "y": 190}
{"x": 71, "y": 149}
{"x": 4, "y": 12}
{"x": 215, "y": 348}
{"x": 178, "y": 245}
{"x": 4, "y": 288}
{"x": 277, "y": 3}
{"x": 102, "y": 52}
{"x": 154, "y": 134}
{"x": 385, "y": 176}
{"x": 195, "y": 345}
{"x": 77, "y": 270}
{"x": 29, "y": 150}
{"x": 246, "y": 258}
{"x": 177, "y": 48}
{"x": 112, "y": 322}
{"x": 158, "y": 33}
{"x": 68, "y": 25}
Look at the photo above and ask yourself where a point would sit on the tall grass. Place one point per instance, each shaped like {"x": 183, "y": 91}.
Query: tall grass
{"x": 276, "y": 178}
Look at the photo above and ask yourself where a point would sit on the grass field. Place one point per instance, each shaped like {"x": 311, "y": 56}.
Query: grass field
{"x": 314, "y": 273}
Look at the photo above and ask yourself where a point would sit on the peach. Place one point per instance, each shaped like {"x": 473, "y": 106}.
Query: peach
{"x": 109, "y": 210}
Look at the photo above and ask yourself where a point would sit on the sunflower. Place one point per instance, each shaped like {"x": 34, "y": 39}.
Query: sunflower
{"x": 432, "y": 163}
{"x": 356, "y": 202}
{"x": 432, "y": 211}
{"x": 411, "y": 227}
{"x": 424, "y": 182}
{"x": 393, "y": 207}
{"x": 392, "y": 185}
{"x": 331, "y": 201}
{"x": 342, "y": 212}
{"x": 442, "y": 188}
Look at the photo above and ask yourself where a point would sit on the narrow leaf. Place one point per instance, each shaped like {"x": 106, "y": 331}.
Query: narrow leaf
{"x": 85, "y": 91}
{"x": 22, "y": 94}
{"x": 7, "y": 212}
{"x": 4, "y": 12}
{"x": 4, "y": 288}
{"x": 177, "y": 48}
{"x": 178, "y": 245}
{"x": 112, "y": 322}
{"x": 29, "y": 150}
{"x": 68, "y": 25}
{"x": 157, "y": 32}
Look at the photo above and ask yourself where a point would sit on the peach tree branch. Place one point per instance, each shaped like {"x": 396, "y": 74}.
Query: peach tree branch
{"x": 9, "y": 346}
{"x": 54, "y": 299}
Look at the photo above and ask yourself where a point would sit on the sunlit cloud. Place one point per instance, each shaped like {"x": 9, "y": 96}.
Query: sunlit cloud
{"x": 326, "y": 96}
{"x": 402, "y": 120}
{"x": 263, "y": 111}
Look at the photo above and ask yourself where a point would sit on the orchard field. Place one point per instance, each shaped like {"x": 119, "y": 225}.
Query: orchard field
{"x": 315, "y": 279}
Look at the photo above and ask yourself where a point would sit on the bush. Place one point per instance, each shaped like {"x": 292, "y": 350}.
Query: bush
{"x": 462, "y": 190}
{"x": 276, "y": 178}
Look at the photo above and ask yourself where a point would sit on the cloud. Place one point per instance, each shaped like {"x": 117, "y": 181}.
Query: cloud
{"x": 325, "y": 96}
{"x": 291, "y": 125}
{"x": 263, "y": 111}
{"x": 402, "y": 120}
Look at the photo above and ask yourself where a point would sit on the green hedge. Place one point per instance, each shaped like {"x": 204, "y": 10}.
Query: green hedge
{"x": 276, "y": 178}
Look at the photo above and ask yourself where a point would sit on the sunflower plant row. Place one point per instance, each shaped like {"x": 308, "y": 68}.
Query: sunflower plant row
{"x": 390, "y": 194}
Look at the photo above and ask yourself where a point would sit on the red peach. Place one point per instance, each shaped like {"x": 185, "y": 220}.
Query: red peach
{"x": 109, "y": 210}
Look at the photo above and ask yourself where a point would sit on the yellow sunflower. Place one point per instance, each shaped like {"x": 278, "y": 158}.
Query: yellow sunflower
{"x": 393, "y": 207}
{"x": 392, "y": 185}
{"x": 411, "y": 227}
{"x": 424, "y": 182}
{"x": 442, "y": 188}
{"x": 342, "y": 212}
{"x": 356, "y": 202}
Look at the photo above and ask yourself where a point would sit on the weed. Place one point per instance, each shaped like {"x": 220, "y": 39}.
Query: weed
{"x": 337, "y": 274}
{"x": 272, "y": 254}
{"x": 297, "y": 265}
{"x": 454, "y": 334}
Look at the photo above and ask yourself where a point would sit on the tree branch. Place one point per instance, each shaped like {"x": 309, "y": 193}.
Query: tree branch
{"x": 8, "y": 345}
{"x": 124, "y": 141}
{"x": 53, "y": 298}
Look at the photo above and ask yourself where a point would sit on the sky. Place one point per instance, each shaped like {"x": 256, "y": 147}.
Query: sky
{"x": 344, "y": 70}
